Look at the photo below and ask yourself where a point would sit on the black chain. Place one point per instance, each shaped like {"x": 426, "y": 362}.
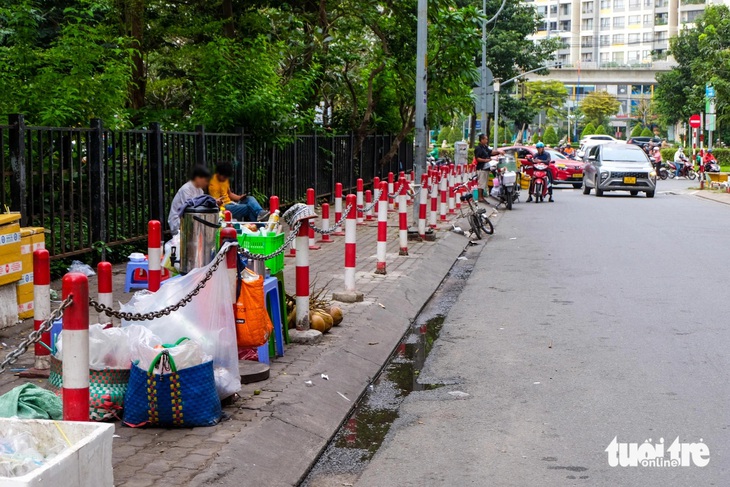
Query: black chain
{"x": 35, "y": 335}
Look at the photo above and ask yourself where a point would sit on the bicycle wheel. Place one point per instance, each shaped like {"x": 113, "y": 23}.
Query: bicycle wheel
{"x": 486, "y": 224}
{"x": 475, "y": 226}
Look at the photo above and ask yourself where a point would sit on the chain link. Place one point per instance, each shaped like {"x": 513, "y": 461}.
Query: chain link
{"x": 128, "y": 316}
{"x": 35, "y": 335}
{"x": 376, "y": 197}
{"x": 334, "y": 228}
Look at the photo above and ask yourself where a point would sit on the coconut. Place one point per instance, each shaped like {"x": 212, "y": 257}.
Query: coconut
{"x": 317, "y": 323}
{"x": 336, "y": 314}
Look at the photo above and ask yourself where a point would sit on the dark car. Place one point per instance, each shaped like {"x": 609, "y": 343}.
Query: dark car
{"x": 644, "y": 141}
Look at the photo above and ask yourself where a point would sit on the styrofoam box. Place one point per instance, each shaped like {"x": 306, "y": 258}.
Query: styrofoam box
{"x": 87, "y": 463}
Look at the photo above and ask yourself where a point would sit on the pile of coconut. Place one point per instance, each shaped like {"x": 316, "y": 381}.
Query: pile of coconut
{"x": 323, "y": 315}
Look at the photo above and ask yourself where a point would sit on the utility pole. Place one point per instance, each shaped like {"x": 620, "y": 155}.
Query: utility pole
{"x": 496, "y": 112}
{"x": 421, "y": 96}
{"x": 484, "y": 68}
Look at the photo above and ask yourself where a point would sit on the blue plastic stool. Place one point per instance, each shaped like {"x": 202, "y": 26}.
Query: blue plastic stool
{"x": 263, "y": 353}
{"x": 271, "y": 296}
{"x": 129, "y": 281}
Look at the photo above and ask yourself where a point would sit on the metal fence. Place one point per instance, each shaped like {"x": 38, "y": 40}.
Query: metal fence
{"x": 91, "y": 185}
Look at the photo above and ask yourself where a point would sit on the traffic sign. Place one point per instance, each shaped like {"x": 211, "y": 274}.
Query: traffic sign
{"x": 478, "y": 125}
{"x": 710, "y": 121}
{"x": 695, "y": 121}
{"x": 709, "y": 91}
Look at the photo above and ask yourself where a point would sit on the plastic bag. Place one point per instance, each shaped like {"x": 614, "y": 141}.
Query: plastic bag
{"x": 253, "y": 325}
{"x": 207, "y": 319}
{"x": 110, "y": 348}
{"x": 85, "y": 269}
{"x": 23, "y": 449}
{"x": 186, "y": 353}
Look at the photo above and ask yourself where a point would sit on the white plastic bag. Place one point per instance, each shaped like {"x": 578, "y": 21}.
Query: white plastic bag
{"x": 110, "y": 348}
{"x": 207, "y": 320}
{"x": 78, "y": 266}
{"x": 187, "y": 354}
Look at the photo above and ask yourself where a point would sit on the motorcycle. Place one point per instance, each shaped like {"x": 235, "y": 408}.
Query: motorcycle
{"x": 687, "y": 170}
{"x": 442, "y": 161}
{"x": 661, "y": 169}
{"x": 541, "y": 181}
{"x": 504, "y": 187}
{"x": 712, "y": 166}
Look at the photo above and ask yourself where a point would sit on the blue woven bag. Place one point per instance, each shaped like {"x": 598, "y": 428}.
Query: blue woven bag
{"x": 184, "y": 397}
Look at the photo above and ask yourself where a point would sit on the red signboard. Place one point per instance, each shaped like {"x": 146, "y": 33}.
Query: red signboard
{"x": 695, "y": 121}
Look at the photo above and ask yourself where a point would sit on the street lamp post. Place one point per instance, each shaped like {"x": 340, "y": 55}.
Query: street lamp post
{"x": 421, "y": 141}
{"x": 496, "y": 113}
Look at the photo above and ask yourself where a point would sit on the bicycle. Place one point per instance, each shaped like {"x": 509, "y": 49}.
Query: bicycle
{"x": 477, "y": 217}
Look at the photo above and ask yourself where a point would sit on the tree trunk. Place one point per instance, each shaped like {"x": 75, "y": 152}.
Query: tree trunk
{"x": 228, "y": 27}
{"x": 408, "y": 126}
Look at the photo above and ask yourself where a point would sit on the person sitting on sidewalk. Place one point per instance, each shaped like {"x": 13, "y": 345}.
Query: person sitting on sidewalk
{"x": 199, "y": 179}
{"x": 243, "y": 208}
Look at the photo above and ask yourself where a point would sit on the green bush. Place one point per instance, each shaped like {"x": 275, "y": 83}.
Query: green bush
{"x": 636, "y": 131}
{"x": 535, "y": 138}
{"x": 443, "y": 135}
{"x": 588, "y": 130}
{"x": 449, "y": 152}
{"x": 722, "y": 155}
{"x": 550, "y": 137}
{"x": 647, "y": 133}
{"x": 600, "y": 130}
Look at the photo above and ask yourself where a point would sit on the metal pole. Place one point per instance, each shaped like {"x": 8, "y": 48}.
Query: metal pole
{"x": 496, "y": 113}
{"x": 484, "y": 67}
{"x": 421, "y": 94}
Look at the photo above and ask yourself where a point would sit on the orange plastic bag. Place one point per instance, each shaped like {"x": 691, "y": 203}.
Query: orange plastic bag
{"x": 253, "y": 325}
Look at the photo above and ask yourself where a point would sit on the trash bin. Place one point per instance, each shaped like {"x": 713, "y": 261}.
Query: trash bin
{"x": 199, "y": 228}
{"x": 461, "y": 153}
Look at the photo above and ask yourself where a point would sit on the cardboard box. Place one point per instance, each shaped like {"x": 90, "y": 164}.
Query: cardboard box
{"x": 25, "y": 310}
{"x": 25, "y": 289}
{"x": 10, "y": 270}
{"x": 9, "y": 239}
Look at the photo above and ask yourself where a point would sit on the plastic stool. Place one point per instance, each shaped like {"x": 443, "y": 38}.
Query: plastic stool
{"x": 271, "y": 296}
{"x": 136, "y": 275}
{"x": 282, "y": 296}
{"x": 263, "y": 353}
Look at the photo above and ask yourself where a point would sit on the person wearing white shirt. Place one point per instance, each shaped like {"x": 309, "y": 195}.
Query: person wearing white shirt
{"x": 199, "y": 179}
{"x": 679, "y": 159}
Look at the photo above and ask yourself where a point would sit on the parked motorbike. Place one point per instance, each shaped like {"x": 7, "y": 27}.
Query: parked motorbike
{"x": 712, "y": 166}
{"x": 441, "y": 161}
{"x": 687, "y": 169}
{"x": 504, "y": 187}
{"x": 541, "y": 181}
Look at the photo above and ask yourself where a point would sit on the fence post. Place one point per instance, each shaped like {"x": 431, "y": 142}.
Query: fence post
{"x": 18, "y": 187}
{"x": 240, "y": 156}
{"x": 157, "y": 210}
{"x": 316, "y": 164}
{"x": 98, "y": 183}
{"x": 200, "y": 146}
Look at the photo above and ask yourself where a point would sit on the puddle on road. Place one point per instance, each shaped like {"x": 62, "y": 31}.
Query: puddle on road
{"x": 363, "y": 432}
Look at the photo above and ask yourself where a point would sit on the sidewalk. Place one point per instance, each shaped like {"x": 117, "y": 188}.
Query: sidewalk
{"x": 714, "y": 195}
{"x": 272, "y": 438}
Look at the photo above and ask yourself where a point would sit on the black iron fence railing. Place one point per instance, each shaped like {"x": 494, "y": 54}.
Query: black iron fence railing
{"x": 90, "y": 186}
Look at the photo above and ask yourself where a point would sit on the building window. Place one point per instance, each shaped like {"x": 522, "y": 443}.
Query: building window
{"x": 553, "y": 26}
{"x": 634, "y": 38}
{"x": 605, "y": 4}
{"x": 586, "y": 24}
{"x": 689, "y": 17}
{"x": 587, "y": 8}
{"x": 586, "y": 57}
{"x": 661, "y": 3}
{"x": 605, "y": 40}
{"x": 660, "y": 19}
{"x": 586, "y": 41}
{"x": 622, "y": 90}
{"x": 553, "y": 9}
{"x": 565, "y": 9}
{"x": 648, "y": 21}
{"x": 618, "y": 4}
{"x": 648, "y": 37}
{"x": 634, "y": 4}
{"x": 617, "y": 57}
{"x": 646, "y": 55}
{"x": 565, "y": 25}
{"x": 605, "y": 23}
{"x": 542, "y": 10}
{"x": 604, "y": 57}
{"x": 618, "y": 39}
{"x": 619, "y": 22}
{"x": 634, "y": 57}
{"x": 634, "y": 19}
{"x": 648, "y": 3}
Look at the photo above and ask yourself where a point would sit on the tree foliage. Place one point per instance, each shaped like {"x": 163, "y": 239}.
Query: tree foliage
{"x": 647, "y": 132}
{"x": 589, "y": 129}
{"x": 550, "y": 137}
{"x": 547, "y": 95}
{"x": 600, "y": 130}
{"x": 599, "y": 105}
{"x": 636, "y": 131}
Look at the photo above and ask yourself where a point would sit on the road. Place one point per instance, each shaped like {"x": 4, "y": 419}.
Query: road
{"x": 584, "y": 320}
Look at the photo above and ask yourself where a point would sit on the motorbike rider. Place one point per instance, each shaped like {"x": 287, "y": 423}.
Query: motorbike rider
{"x": 679, "y": 159}
{"x": 657, "y": 158}
{"x": 483, "y": 155}
{"x": 544, "y": 157}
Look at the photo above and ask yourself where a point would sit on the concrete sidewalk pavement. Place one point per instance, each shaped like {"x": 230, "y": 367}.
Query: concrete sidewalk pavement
{"x": 271, "y": 438}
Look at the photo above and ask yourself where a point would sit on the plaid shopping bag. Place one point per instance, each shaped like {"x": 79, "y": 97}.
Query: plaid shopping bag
{"x": 184, "y": 397}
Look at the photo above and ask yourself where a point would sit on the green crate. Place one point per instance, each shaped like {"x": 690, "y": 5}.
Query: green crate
{"x": 265, "y": 245}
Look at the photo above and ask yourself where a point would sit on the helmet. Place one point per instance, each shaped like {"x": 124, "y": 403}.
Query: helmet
{"x": 539, "y": 145}
{"x": 656, "y": 149}
{"x": 709, "y": 150}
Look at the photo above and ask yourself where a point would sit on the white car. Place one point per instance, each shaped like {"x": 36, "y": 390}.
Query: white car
{"x": 596, "y": 139}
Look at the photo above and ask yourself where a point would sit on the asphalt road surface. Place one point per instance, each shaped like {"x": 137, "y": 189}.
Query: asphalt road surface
{"x": 585, "y": 320}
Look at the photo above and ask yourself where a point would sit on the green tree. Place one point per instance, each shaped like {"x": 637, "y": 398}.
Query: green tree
{"x": 550, "y": 137}
{"x": 600, "y": 130}
{"x": 598, "y": 105}
{"x": 647, "y": 132}
{"x": 588, "y": 130}
{"x": 535, "y": 138}
{"x": 545, "y": 95}
{"x": 444, "y": 134}
{"x": 636, "y": 131}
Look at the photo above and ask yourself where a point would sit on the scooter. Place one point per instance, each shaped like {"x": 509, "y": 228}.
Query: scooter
{"x": 687, "y": 169}
{"x": 541, "y": 181}
{"x": 712, "y": 166}
{"x": 504, "y": 187}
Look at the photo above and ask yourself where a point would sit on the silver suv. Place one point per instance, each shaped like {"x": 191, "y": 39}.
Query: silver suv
{"x": 618, "y": 167}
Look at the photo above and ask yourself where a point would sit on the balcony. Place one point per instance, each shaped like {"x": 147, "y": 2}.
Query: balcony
{"x": 660, "y": 21}
{"x": 692, "y": 2}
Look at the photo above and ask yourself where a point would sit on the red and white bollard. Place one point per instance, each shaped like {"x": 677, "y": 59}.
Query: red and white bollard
{"x": 227, "y": 216}
{"x": 422, "y": 206}
{"x": 154, "y": 255}
{"x": 302, "y": 277}
{"x": 403, "y": 216}
{"x": 369, "y": 205}
{"x": 376, "y": 187}
{"x": 391, "y": 192}
{"x": 338, "y": 209}
{"x": 104, "y": 289}
{"x": 229, "y": 234}
{"x": 382, "y": 246}
{"x": 350, "y": 243}
{"x": 310, "y": 203}
{"x": 434, "y": 199}
{"x": 325, "y": 224}
{"x": 360, "y": 201}
{"x": 443, "y": 190}
{"x": 273, "y": 204}
{"x": 76, "y": 348}
{"x": 452, "y": 196}
{"x": 42, "y": 306}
